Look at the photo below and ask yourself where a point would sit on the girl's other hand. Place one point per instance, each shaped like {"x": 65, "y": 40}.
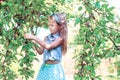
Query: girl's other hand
{"x": 29, "y": 36}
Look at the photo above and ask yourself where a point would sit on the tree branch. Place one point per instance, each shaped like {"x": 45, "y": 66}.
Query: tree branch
{"x": 114, "y": 43}
{"x": 118, "y": 30}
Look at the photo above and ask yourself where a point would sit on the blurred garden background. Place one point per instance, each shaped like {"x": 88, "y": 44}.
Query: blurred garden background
{"x": 93, "y": 38}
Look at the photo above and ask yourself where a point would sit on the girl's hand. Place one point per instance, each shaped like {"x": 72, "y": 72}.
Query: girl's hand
{"x": 29, "y": 36}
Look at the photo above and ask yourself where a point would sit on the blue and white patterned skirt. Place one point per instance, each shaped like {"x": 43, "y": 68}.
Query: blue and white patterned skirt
{"x": 51, "y": 72}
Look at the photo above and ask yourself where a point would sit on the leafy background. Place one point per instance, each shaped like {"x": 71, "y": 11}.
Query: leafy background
{"x": 93, "y": 42}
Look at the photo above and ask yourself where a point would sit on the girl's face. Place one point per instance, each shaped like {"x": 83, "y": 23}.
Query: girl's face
{"x": 53, "y": 26}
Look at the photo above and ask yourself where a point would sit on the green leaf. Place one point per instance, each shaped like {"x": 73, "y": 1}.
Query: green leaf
{"x": 10, "y": 45}
{"x": 32, "y": 54}
{"x": 105, "y": 6}
{"x": 36, "y": 59}
{"x": 9, "y": 4}
{"x": 88, "y": 9}
{"x": 42, "y": 16}
{"x": 97, "y": 60}
{"x": 99, "y": 43}
{"x": 77, "y": 21}
{"x": 80, "y": 8}
{"x": 89, "y": 68}
{"x": 21, "y": 64}
{"x": 97, "y": 5}
{"x": 76, "y": 77}
{"x": 96, "y": 49}
{"x": 3, "y": 3}
{"x": 118, "y": 52}
{"x": 1, "y": 76}
{"x": 87, "y": 46}
{"x": 117, "y": 40}
{"x": 109, "y": 54}
{"x": 111, "y": 8}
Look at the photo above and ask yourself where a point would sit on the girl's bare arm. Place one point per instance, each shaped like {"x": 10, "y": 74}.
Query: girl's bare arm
{"x": 54, "y": 44}
{"x": 43, "y": 44}
{"x": 39, "y": 50}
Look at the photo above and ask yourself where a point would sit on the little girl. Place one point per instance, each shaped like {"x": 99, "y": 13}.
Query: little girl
{"x": 53, "y": 46}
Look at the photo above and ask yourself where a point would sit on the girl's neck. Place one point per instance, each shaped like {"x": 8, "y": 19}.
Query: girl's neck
{"x": 55, "y": 33}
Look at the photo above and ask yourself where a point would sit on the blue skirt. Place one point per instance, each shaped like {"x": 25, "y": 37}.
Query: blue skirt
{"x": 51, "y": 72}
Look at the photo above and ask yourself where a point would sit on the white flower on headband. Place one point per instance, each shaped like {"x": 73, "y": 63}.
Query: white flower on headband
{"x": 60, "y": 18}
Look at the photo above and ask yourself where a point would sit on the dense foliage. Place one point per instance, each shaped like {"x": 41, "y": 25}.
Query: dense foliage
{"x": 16, "y": 18}
{"x": 94, "y": 19}
{"x": 98, "y": 38}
